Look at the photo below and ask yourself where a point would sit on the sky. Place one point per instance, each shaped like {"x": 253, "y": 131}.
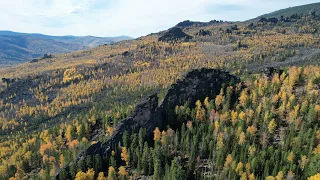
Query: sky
{"x": 133, "y": 18}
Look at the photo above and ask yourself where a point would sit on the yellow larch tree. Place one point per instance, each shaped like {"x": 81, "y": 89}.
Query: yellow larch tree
{"x": 101, "y": 176}
{"x": 315, "y": 177}
{"x": 303, "y": 162}
{"x": 228, "y": 160}
{"x": 291, "y": 157}
{"x": 272, "y": 125}
{"x": 239, "y": 169}
{"x": 270, "y": 178}
{"x": 316, "y": 150}
{"x": 61, "y": 161}
{"x": 252, "y": 130}
{"x": 242, "y": 138}
{"x": 156, "y": 134}
{"x": 234, "y": 117}
{"x": 112, "y": 173}
{"x": 122, "y": 171}
{"x": 242, "y": 115}
{"x": 219, "y": 100}
{"x": 243, "y": 97}
{"x": 125, "y": 155}
{"x": 251, "y": 177}
{"x": 279, "y": 176}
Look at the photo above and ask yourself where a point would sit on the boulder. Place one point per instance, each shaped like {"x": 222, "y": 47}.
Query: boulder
{"x": 271, "y": 20}
{"x": 34, "y": 60}
{"x": 270, "y": 71}
{"x": 126, "y": 54}
{"x": 204, "y": 33}
{"x": 175, "y": 34}
{"x": 47, "y": 56}
{"x": 228, "y": 31}
{"x": 234, "y": 28}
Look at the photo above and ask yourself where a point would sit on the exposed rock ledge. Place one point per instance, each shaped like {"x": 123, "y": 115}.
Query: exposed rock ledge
{"x": 196, "y": 85}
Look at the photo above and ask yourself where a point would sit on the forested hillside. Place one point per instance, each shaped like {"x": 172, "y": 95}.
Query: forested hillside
{"x": 264, "y": 127}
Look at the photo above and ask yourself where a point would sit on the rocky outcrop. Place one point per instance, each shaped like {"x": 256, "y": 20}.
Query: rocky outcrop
{"x": 145, "y": 115}
{"x": 204, "y": 33}
{"x": 197, "y": 85}
{"x": 45, "y": 56}
{"x": 7, "y": 81}
{"x": 188, "y": 23}
{"x": 175, "y": 34}
{"x": 270, "y": 71}
{"x": 274, "y": 20}
{"x": 271, "y": 20}
{"x": 127, "y": 54}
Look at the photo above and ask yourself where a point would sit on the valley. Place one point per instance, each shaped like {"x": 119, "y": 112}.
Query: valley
{"x": 17, "y": 48}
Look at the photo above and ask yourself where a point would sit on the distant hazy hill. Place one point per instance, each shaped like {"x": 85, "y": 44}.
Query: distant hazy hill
{"x": 305, "y": 9}
{"x": 17, "y": 48}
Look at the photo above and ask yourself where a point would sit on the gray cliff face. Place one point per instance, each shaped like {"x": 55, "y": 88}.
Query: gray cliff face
{"x": 197, "y": 85}
{"x": 145, "y": 115}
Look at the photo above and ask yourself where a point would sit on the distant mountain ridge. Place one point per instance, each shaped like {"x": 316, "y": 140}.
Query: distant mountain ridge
{"x": 16, "y": 48}
{"x": 304, "y": 9}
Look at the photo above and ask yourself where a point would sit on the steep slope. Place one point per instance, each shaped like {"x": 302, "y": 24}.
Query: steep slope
{"x": 16, "y": 48}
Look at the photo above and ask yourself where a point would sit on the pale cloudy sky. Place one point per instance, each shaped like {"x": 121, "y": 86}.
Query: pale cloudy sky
{"x": 125, "y": 17}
